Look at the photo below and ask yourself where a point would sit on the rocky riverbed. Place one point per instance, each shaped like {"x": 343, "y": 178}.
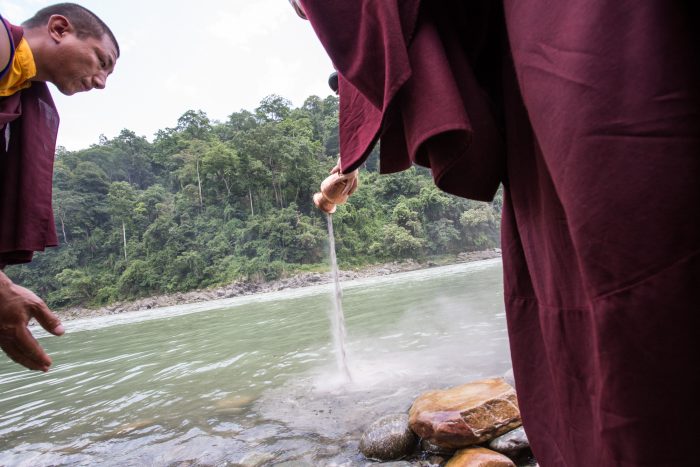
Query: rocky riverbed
{"x": 248, "y": 288}
{"x": 475, "y": 424}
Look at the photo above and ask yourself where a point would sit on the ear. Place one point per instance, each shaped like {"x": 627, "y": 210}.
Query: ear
{"x": 58, "y": 27}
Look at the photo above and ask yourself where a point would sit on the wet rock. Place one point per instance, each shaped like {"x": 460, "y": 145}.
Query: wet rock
{"x": 527, "y": 461}
{"x": 432, "y": 461}
{"x": 255, "y": 459}
{"x": 234, "y": 404}
{"x": 479, "y": 457}
{"x": 315, "y": 278}
{"x": 432, "y": 448}
{"x": 469, "y": 414}
{"x": 388, "y": 438}
{"x": 186, "y": 463}
{"x": 398, "y": 464}
{"x": 510, "y": 443}
{"x": 127, "y": 429}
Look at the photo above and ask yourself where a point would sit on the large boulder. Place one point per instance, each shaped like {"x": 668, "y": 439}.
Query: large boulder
{"x": 469, "y": 414}
{"x": 388, "y": 438}
{"x": 479, "y": 457}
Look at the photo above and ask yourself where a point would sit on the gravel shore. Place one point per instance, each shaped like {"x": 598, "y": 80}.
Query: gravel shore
{"x": 248, "y": 288}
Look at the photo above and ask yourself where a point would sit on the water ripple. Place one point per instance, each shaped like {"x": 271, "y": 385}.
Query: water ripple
{"x": 251, "y": 379}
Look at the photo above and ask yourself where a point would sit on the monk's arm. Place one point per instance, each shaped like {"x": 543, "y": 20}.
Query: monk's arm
{"x": 17, "y": 306}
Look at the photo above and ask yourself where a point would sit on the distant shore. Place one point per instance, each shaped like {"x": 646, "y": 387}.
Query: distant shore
{"x": 248, "y": 288}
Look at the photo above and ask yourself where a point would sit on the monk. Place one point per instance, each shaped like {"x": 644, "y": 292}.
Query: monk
{"x": 588, "y": 113}
{"x": 69, "y": 46}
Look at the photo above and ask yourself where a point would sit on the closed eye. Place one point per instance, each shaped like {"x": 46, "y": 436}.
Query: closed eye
{"x": 106, "y": 62}
{"x": 103, "y": 61}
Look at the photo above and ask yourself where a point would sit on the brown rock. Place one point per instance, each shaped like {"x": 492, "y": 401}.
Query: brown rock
{"x": 427, "y": 446}
{"x": 511, "y": 443}
{"x": 479, "y": 457}
{"x": 388, "y": 438}
{"x": 465, "y": 415}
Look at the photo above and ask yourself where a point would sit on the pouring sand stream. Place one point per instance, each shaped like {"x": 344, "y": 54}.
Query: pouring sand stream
{"x": 335, "y": 190}
{"x": 337, "y": 317}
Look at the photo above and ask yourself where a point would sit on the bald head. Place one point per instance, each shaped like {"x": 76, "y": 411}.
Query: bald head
{"x": 85, "y": 22}
{"x": 72, "y": 47}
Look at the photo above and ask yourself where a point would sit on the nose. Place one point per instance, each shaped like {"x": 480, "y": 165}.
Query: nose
{"x": 100, "y": 80}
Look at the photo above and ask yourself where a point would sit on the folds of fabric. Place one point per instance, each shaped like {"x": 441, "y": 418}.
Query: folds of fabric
{"x": 601, "y": 221}
{"x": 406, "y": 76}
{"x": 601, "y": 230}
{"x": 29, "y": 126}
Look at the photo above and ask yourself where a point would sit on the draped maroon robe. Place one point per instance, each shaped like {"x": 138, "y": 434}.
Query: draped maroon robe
{"x": 28, "y": 129}
{"x": 596, "y": 105}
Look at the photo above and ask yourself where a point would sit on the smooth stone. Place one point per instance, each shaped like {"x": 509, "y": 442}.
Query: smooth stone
{"x": 127, "y": 428}
{"x": 531, "y": 463}
{"x": 479, "y": 457}
{"x": 432, "y": 461}
{"x": 432, "y": 448}
{"x": 234, "y": 404}
{"x": 465, "y": 415}
{"x": 510, "y": 443}
{"x": 388, "y": 438}
{"x": 398, "y": 464}
{"x": 256, "y": 459}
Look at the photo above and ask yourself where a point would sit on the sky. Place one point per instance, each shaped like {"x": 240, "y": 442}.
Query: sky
{"x": 218, "y": 56}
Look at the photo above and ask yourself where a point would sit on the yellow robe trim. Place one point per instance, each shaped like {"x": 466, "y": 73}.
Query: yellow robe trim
{"x": 20, "y": 73}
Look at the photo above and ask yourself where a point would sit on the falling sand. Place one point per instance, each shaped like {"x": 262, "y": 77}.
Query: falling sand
{"x": 337, "y": 318}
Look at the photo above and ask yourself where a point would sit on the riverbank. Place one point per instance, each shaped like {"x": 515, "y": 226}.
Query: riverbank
{"x": 248, "y": 288}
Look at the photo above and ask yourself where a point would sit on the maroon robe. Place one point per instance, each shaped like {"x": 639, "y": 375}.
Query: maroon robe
{"x": 601, "y": 223}
{"x": 27, "y": 151}
{"x": 424, "y": 100}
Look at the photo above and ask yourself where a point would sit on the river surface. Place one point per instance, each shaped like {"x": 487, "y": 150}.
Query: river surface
{"x": 252, "y": 380}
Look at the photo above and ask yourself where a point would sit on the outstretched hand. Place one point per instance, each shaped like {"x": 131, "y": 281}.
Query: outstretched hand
{"x": 17, "y": 307}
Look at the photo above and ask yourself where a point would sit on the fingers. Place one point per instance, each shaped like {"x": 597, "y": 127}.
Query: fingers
{"x": 353, "y": 187}
{"x": 347, "y": 187}
{"x": 47, "y": 319}
{"x": 13, "y": 351}
{"x": 31, "y": 349}
{"x": 17, "y": 306}
{"x": 336, "y": 168}
{"x": 351, "y": 184}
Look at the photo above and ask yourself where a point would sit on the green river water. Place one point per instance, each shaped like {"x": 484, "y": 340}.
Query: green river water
{"x": 252, "y": 380}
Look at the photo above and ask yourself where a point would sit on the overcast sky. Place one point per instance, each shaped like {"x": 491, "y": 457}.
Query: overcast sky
{"x": 219, "y": 56}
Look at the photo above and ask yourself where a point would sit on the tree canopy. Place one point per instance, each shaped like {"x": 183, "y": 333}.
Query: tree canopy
{"x": 208, "y": 202}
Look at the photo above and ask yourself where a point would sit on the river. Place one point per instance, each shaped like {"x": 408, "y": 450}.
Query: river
{"x": 252, "y": 380}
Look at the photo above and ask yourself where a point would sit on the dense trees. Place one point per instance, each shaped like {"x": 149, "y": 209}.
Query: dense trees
{"x": 207, "y": 203}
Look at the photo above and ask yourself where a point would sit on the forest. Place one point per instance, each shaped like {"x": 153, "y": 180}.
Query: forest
{"x": 208, "y": 203}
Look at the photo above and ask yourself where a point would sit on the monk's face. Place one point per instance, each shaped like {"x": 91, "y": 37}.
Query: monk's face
{"x": 82, "y": 64}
